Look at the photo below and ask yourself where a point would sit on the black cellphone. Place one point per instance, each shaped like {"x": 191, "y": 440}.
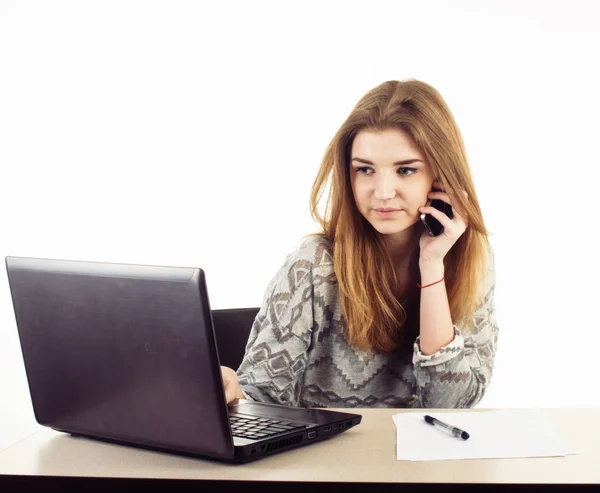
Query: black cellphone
{"x": 431, "y": 223}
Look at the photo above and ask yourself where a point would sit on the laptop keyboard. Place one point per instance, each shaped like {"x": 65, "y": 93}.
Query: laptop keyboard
{"x": 254, "y": 427}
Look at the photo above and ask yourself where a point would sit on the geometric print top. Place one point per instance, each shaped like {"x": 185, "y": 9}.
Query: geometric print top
{"x": 297, "y": 354}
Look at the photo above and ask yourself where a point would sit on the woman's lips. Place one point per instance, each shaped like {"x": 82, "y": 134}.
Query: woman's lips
{"x": 385, "y": 212}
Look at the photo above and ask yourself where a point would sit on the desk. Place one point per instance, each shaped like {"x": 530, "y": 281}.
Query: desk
{"x": 364, "y": 454}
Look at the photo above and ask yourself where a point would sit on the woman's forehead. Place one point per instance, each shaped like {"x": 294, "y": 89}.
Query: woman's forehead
{"x": 385, "y": 147}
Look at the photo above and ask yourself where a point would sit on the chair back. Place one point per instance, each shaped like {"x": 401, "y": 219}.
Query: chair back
{"x": 232, "y": 329}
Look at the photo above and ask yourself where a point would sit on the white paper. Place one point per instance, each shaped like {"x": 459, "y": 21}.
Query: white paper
{"x": 493, "y": 434}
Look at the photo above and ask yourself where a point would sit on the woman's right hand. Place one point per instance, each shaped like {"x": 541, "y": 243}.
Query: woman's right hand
{"x": 231, "y": 384}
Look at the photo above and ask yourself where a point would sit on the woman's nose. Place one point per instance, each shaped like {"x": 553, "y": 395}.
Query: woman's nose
{"x": 384, "y": 187}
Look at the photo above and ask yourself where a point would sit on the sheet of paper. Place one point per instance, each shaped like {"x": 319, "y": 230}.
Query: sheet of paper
{"x": 493, "y": 434}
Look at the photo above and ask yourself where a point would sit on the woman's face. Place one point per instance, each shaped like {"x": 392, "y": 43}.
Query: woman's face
{"x": 390, "y": 179}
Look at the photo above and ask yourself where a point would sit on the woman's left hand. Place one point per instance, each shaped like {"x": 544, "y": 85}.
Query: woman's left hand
{"x": 435, "y": 248}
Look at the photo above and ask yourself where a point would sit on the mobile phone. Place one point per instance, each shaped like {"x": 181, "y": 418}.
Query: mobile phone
{"x": 431, "y": 223}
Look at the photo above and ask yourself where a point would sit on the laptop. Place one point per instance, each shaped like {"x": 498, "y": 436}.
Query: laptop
{"x": 127, "y": 354}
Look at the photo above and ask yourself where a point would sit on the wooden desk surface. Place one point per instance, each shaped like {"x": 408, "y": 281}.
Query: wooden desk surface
{"x": 363, "y": 454}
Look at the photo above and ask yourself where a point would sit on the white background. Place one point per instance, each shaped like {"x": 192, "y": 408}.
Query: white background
{"x": 189, "y": 133}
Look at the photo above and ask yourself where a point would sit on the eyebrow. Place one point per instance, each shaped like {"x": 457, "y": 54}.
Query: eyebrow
{"x": 397, "y": 163}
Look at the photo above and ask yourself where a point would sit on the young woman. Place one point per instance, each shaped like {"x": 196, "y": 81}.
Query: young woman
{"x": 374, "y": 311}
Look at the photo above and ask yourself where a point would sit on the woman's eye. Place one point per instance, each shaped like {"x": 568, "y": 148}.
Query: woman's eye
{"x": 407, "y": 171}
{"x": 366, "y": 170}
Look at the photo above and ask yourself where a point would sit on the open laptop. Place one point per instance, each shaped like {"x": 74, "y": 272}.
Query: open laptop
{"x": 127, "y": 353}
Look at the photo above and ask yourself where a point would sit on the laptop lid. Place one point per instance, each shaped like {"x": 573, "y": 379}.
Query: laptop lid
{"x": 121, "y": 352}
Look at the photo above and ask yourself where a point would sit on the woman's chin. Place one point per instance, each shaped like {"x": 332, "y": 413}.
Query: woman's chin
{"x": 394, "y": 229}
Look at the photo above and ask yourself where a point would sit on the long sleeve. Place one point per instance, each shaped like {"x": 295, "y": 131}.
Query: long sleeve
{"x": 458, "y": 375}
{"x": 276, "y": 353}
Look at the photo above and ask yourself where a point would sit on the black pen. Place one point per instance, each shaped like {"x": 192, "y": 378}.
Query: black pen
{"x": 457, "y": 432}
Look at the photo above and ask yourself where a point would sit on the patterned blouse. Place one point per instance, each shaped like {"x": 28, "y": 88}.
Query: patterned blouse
{"x": 297, "y": 354}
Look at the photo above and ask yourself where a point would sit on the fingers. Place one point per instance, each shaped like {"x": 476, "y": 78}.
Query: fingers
{"x": 453, "y": 228}
{"x": 440, "y": 194}
{"x": 227, "y": 383}
{"x": 231, "y": 385}
{"x": 437, "y": 184}
{"x": 439, "y": 215}
{"x": 229, "y": 395}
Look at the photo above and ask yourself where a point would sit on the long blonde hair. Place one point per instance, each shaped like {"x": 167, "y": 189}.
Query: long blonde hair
{"x": 375, "y": 318}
